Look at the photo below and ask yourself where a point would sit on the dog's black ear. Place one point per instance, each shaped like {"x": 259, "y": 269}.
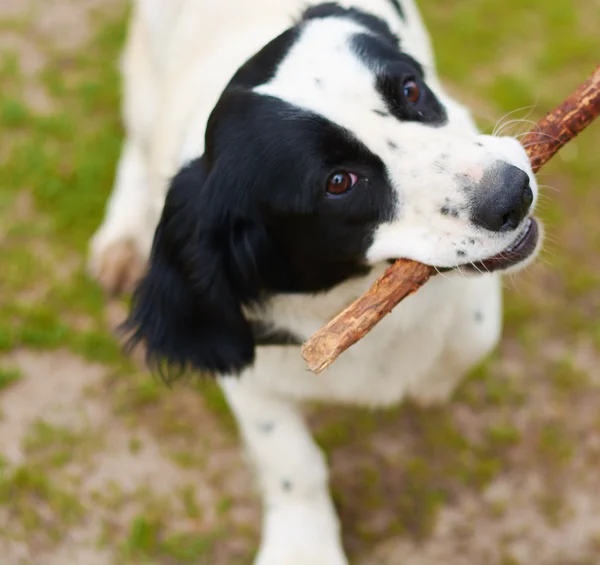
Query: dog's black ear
{"x": 187, "y": 309}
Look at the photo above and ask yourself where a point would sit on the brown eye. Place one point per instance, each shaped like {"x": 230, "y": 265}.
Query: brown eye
{"x": 339, "y": 183}
{"x": 412, "y": 92}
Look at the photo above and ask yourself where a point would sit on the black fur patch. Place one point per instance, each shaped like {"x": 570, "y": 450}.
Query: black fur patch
{"x": 398, "y": 7}
{"x": 393, "y": 68}
{"x": 374, "y": 24}
{"x": 187, "y": 309}
{"x": 262, "y": 67}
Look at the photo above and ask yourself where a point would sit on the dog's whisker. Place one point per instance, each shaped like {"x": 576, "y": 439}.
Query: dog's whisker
{"x": 512, "y": 122}
{"x": 460, "y": 272}
{"x": 545, "y": 261}
{"x": 550, "y": 137}
{"x": 499, "y": 122}
{"x": 477, "y": 268}
{"x": 543, "y": 153}
{"x": 547, "y": 187}
{"x": 441, "y": 273}
{"x": 540, "y": 133}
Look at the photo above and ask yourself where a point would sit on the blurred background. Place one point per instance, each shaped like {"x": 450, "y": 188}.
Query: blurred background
{"x": 102, "y": 464}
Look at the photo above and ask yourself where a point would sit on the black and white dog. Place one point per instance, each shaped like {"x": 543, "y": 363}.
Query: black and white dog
{"x": 304, "y": 147}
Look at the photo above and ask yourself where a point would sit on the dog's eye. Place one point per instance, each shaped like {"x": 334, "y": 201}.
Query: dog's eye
{"x": 339, "y": 183}
{"x": 412, "y": 92}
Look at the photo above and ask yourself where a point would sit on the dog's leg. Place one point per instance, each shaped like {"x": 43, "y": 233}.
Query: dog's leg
{"x": 300, "y": 526}
{"x": 119, "y": 249}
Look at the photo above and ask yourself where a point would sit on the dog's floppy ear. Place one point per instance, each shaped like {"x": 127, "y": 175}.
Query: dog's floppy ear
{"x": 187, "y": 309}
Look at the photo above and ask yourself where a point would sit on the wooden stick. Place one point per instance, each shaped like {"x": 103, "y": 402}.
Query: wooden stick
{"x": 564, "y": 122}
{"x": 405, "y": 277}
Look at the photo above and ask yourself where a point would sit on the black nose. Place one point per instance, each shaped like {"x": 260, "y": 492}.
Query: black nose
{"x": 504, "y": 199}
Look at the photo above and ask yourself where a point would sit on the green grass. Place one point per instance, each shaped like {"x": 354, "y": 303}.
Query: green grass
{"x": 147, "y": 540}
{"x": 9, "y": 377}
{"x": 56, "y": 171}
{"x": 40, "y": 509}
{"x": 56, "y": 446}
{"x": 66, "y": 170}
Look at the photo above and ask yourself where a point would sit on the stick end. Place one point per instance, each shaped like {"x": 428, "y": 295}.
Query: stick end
{"x": 316, "y": 361}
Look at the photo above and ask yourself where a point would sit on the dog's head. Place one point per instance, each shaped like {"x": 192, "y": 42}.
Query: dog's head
{"x": 329, "y": 152}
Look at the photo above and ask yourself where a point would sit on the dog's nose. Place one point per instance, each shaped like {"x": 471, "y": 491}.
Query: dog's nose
{"x": 506, "y": 197}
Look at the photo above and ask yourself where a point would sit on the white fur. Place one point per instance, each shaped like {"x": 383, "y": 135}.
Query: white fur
{"x": 179, "y": 56}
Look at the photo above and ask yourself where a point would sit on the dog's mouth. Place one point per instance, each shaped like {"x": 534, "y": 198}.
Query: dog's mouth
{"x": 518, "y": 251}
{"x": 522, "y": 248}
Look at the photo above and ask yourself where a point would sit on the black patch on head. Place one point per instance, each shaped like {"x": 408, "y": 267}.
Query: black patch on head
{"x": 392, "y": 145}
{"x": 374, "y": 24}
{"x": 392, "y": 69}
{"x": 398, "y": 7}
{"x": 262, "y": 67}
{"x": 381, "y": 113}
{"x": 249, "y": 220}
{"x": 376, "y": 52}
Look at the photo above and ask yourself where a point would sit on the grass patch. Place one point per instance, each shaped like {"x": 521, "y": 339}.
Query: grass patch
{"x": 38, "y": 506}
{"x": 55, "y": 446}
{"x": 8, "y": 377}
{"x": 148, "y": 539}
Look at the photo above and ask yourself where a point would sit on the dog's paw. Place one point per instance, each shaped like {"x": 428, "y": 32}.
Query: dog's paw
{"x": 116, "y": 266}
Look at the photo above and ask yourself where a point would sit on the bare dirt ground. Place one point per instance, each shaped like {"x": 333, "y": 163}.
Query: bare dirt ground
{"x": 100, "y": 464}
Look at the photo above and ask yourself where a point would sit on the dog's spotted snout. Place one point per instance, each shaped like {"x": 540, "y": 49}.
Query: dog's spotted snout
{"x": 504, "y": 199}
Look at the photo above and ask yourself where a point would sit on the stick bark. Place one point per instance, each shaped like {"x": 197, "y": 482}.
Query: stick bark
{"x": 405, "y": 277}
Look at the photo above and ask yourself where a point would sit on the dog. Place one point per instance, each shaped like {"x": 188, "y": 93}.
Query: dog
{"x": 278, "y": 155}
